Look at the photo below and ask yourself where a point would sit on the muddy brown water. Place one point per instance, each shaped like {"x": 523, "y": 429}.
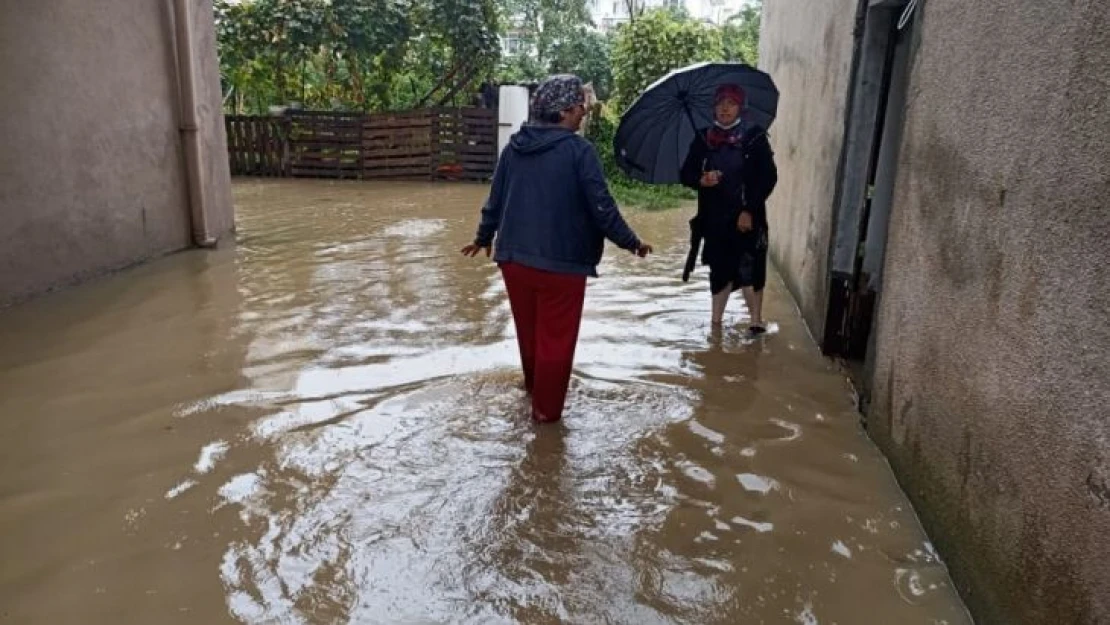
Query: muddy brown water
{"x": 322, "y": 424}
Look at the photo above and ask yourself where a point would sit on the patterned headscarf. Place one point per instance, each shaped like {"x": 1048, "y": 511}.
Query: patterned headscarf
{"x": 730, "y": 92}
{"x": 557, "y": 94}
{"x": 719, "y": 135}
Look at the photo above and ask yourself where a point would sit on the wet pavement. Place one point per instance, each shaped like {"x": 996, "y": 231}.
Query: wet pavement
{"x": 323, "y": 424}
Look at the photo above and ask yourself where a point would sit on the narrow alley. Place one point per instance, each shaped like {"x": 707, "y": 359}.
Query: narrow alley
{"x": 322, "y": 424}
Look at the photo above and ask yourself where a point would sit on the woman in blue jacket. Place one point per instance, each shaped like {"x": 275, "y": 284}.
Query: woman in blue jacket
{"x": 550, "y": 210}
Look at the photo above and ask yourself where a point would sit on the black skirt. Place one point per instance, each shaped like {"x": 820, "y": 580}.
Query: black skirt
{"x": 739, "y": 261}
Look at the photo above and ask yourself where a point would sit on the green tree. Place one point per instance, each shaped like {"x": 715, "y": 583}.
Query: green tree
{"x": 452, "y": 36}
{"x": 542, "y": 25}
{"x": 264, "y": 41}
{"x": 740, "y": 35}
{"x": 348, "y": 53}
{"x": 369, "y": 38}
{"x": 655, "y": 44}
{"x": 520, "y": 68}
{"x": 587, "y": 54}
{"x": 463, "y": 29}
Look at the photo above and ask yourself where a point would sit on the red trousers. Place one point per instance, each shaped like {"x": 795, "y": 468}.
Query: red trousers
{"x": 547, "y": 309}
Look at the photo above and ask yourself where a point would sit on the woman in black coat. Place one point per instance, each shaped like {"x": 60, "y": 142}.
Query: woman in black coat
{"x": 732, "y": 167}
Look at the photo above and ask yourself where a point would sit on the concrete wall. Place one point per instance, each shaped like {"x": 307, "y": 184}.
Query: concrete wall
{"x": 991, "y": 387}
{"x": 217, "y": 169}
{"x": 990, "y": 371}
{"x": 807, "y": 47}
{"x": 92, "y": 176}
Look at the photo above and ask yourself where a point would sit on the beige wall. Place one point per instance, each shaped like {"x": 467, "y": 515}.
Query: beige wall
{"x": 213, "y": 133}
{"x": 992, "y": 373}
{"x": 990, "y": 385}
{"x": 807, "y": 47}
{"x": 92, "y": 176}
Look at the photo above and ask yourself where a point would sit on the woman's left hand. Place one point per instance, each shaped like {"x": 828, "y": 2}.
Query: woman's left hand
{"x": 744, "y": 224}
{"x": 474, "y": 249}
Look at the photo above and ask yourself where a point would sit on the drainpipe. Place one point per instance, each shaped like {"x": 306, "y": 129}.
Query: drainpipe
{"x": 190, "y": 128}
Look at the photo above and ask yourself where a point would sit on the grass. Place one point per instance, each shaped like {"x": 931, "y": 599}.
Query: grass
{"x": 648, "y": 197}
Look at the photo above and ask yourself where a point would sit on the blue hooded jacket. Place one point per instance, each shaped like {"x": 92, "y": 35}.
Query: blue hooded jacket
{"x": 549, "y": 204}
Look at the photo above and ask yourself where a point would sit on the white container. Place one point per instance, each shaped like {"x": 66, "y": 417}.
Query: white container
{"x": 512, "y": 111}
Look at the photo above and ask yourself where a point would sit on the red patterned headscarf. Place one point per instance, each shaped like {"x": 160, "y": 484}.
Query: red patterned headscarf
{"x": 730, "y": 92}
{"x": 717, "y": 136}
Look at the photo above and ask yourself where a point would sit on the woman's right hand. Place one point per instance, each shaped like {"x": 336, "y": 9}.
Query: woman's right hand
{"x": 710, "y": 178}
{"x": 744, "y": 224}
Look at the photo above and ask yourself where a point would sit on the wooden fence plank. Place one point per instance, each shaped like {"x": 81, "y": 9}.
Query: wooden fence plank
{"x": 369, "y": 155}
{"x": 233, "y": 146}
{"x": 440, "y": 143}
{"x": 255, "y": 145}
{"x": 422, "y": 161}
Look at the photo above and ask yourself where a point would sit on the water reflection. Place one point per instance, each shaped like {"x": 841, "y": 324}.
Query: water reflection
{"x": 325, "y": 425}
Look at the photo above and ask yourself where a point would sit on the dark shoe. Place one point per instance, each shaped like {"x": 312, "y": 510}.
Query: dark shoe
{"x": 757, "y": 330}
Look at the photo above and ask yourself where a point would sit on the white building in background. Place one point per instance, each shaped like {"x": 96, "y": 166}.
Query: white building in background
{"x": 714, "y": 11}
{"x": 608, "y": 14}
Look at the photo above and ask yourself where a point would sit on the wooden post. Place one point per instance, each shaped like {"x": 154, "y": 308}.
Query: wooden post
{"x": 358, "y": 147}
{"x": 286, "y": 127}
{"x": 435, "y": 144}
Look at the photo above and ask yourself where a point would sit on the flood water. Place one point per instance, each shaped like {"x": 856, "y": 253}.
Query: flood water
{"x": 322, "y": 424}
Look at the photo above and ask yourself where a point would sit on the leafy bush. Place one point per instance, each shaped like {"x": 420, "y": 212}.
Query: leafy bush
{"x": 656, "y": 44}
{"x": 628, "y": 192}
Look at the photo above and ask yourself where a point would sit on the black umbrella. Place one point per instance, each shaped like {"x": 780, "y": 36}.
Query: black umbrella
{"x": 656, "y": 131}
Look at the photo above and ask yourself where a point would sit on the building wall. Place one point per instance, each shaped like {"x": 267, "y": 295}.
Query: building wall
{"x": 807, "y": 47}
{"x": 92, "y": 170}
{"x": 210, "y": 111}
{"x": 990, "y": 378}
{"x": 991, "y": 384}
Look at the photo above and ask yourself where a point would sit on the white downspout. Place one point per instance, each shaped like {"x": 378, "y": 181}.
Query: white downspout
{"x": 190, "y": 127}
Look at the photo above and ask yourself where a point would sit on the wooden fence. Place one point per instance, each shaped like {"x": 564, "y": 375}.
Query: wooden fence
{"x": 425, "y": 144}
{"x": 257, "y": 146}
{"x": 398, "y": 146}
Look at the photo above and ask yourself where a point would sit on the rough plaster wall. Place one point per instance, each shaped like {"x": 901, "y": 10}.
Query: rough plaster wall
{"x": 217, "y": 171}
{"x": 992, "y": 372}
{"x": 92, "y": 176}
{"x": 807, "y": 48}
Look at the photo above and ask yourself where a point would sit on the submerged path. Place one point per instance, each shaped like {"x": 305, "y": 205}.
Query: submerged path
{"x": 322, "y": 425}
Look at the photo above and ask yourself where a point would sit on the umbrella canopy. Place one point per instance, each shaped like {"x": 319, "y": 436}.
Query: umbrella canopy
{"x": 656, "y": 131}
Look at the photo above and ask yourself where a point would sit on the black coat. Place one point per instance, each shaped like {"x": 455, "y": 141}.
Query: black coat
{"x": 748, "y": 177}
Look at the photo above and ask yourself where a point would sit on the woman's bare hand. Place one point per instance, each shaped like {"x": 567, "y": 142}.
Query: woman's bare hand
{"x": 644, "y": 250}
{"x": 744, "y": 224}
{"x": 710, "y": 178}
{"x": 474, "y": 249}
